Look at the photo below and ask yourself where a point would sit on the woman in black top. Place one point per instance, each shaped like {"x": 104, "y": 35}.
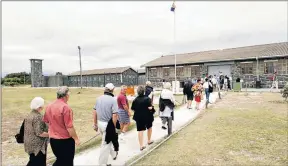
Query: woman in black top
{"x": 143, "y": 115}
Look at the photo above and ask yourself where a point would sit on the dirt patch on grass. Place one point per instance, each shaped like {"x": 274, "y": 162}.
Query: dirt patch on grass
{"x": 239, "y": 130}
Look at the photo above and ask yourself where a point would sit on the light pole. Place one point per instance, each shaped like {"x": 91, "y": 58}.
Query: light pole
{"x": 79, "y": 48}
{"x": 174, "y": 48}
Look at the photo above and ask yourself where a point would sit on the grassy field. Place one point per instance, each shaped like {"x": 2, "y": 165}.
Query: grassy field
{"x": 239, "y": 130}
{"x": 16, "y": 103}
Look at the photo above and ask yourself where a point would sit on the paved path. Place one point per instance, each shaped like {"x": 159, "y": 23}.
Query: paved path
{"x": 130, "y": 147}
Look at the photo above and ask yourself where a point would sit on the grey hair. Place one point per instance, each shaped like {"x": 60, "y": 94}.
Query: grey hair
{"x": 62, "y": 92}
{"x": 108, "y": 90}
{"x": 140, "y": 90}
{"x": 148, "y": 83}
{"x": 167, "y": 85}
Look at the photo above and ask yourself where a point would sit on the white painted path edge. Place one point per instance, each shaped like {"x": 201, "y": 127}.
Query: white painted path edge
{"x": 130, "y": 148}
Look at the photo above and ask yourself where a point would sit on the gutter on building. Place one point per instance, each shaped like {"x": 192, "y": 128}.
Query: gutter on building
{"x": 249, "y": 58}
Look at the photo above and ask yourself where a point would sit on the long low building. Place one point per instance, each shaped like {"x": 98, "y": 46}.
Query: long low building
{"x": 99, "y": 77}
{"x": 250, "y": 63}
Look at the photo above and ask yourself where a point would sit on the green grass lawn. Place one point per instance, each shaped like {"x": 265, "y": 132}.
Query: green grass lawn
{"x": 239, "y": 130}
{"x": 16, "y": 105}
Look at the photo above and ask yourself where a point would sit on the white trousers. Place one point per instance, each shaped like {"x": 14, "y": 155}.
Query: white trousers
{"x": 274, "y": 85}
{"x": 106, "y": 149}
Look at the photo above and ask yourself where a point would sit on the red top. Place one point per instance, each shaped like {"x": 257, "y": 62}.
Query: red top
{"x": 59, "y": 116}
{"x": 122, "y": 100}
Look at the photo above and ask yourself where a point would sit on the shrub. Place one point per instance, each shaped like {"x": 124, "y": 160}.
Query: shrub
{"x": 284, "y": 92}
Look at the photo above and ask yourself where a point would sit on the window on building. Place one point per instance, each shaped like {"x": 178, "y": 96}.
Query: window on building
{"x": 153, "y": 72}
{"x": 166, "y": 71}
{"x": 269, "y": 67}
{"x": 283, "y": 66}
{"x": 247, "y": 68}
{"x": 180, "y": 71}
{"x": 195, "y": 71}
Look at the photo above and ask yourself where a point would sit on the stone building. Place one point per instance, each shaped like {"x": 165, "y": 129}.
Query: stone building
{"x": 250, "y": 63}
{"x": 36, "y": 72}
{"x": 141, "y": 77}
{"x": 99, "y": 77}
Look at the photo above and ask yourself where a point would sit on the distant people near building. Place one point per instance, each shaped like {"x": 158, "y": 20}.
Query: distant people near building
{"x": 197, "y": 88}
{"x": 188, "y": 91}
{"x": 105, "y": 111}
{"x": 62, "y": 133}
{"x": 207, "y": 87}
{"x": 228, "y": 83}
{"x": 36, "y": 134}
{"x": 163, "y": 83}
{"x": 143, "y": 116}
{"x": 166, "y": 105}
{"x": 222, "y": 81}
{"x": 214, "y": 81}
{"x": 274, "y": 81}
{"x": 123, "y": 111}
{"x": 149, "y": 91}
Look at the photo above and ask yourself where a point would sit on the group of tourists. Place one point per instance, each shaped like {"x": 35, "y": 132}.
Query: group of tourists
{"x": 109, "y": 114}
{"x": 196, "y": 89}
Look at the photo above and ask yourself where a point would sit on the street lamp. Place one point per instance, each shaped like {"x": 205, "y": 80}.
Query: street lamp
{"x": 79, "y": 48}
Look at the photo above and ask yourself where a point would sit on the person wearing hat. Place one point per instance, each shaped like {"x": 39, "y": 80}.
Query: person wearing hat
{"x": 105, "y": 109}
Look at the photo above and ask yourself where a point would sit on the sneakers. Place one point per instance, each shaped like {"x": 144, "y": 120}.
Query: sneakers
{"x": 121, "y": 136}
{"x": 164, "y": 127}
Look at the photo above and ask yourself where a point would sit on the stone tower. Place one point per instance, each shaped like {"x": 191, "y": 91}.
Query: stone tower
{"x": 36, "y": 73}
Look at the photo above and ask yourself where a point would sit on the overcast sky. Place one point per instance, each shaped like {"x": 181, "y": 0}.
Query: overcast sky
{"x": 115, "y": 34}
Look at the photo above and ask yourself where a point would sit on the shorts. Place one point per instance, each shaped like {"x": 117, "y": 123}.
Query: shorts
{"x": 123, "y": 116}
{"x": 190, "y": 97}
{"x": 143, "y": 125}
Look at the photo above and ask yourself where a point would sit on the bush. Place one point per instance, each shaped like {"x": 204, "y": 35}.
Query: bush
{"x": 12, "y": 81}
{"x": 284, "y": 92}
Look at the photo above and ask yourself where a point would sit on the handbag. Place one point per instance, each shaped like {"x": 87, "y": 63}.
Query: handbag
{"x": 20, "y": 136}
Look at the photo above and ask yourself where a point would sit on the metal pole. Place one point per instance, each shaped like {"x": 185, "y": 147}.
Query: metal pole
{"x": 257, "y": 71}
{"x": 175, "y": 49}
{"x": 79, "y": 48}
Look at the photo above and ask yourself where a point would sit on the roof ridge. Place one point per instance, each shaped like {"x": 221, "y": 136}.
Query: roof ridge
{"x": 226, "y": 49}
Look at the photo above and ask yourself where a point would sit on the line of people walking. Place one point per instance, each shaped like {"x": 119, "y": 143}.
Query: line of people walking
{"x": 194, "y": 90}
{"x": 110, "y": 115}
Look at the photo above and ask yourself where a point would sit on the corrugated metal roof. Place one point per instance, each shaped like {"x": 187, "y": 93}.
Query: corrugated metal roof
{"x": 266, "y": 50}
{"x": 115, "y": 70}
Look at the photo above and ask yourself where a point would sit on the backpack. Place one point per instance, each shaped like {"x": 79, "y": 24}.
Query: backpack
{"x": 20, "y": 136}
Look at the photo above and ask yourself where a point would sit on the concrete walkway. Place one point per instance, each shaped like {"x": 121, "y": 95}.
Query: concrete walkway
{"x": 129, "y": 148}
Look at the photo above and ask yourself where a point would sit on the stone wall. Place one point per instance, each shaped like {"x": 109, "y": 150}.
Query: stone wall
{"x": 141, "y": 79}
{"x": 188, "y": 71}
{"x": 281, "y": 65}
{"x": 36, "y": 73}
{"x": 250, "y": 79}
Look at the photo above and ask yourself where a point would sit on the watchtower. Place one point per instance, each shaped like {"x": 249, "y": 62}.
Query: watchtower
{"x": 36, "y": 73}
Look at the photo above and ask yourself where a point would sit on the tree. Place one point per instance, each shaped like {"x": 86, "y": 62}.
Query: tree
{"x": 24, "y": 77}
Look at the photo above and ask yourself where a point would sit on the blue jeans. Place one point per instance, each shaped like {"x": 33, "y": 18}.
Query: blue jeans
{"x": 207, "y": 93}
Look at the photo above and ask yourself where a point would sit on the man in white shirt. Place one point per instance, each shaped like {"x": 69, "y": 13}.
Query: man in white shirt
{"x": 206, "y": 86}
{"x": 214, "y": 81}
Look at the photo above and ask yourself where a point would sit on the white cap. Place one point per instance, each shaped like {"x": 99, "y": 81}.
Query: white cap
{"x": 109, "y": 86}
{"x": 148, "y": 83}
{"x": 36, "y": 103}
